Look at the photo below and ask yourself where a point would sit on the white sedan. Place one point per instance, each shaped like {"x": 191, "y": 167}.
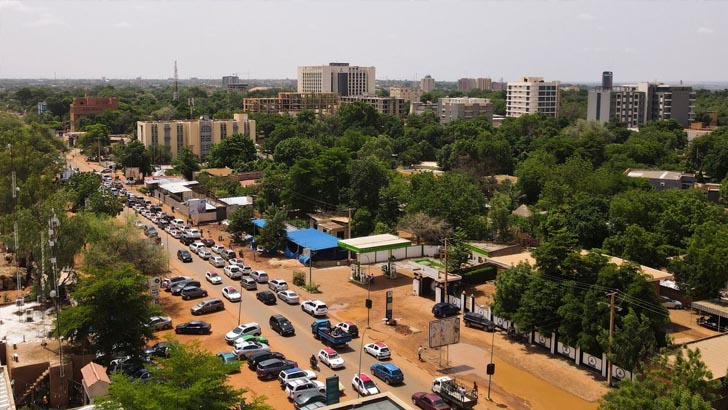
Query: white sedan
{"x": 216, "y": 248}
{"x": 231, "y": 293}
{"x": 213, "y": 277}
{"x": 216, "y": 261}
{"x": 380, "y": 350}
{"x": 289, "y": 296}
{"x": 331, "y": 358}
{"x": 204, "y": 253}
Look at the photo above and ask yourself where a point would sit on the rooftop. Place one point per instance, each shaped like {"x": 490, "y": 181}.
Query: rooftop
{"x": 656, "y": 174}
{"x": 713, "y": 354}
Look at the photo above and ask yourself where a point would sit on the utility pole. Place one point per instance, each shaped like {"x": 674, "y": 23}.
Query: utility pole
{"x": 611, "y": 337}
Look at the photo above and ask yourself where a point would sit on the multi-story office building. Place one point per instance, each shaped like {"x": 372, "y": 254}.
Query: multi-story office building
{"x": 383, "y": 105}
{"x": 339, "y": 78}
{"x": 464, "y": 108}
{"x": 485, "y": 84}
{"x": 232, "y": 82}
{"x": 291, "y": 103}
{"x": 82, "y": 106}
{"x": 635, "y": 105}
{"x": 427, "y": 84}
{"x": 407, "y": 94}
{"x": 533, "y": 95}
{"x": 467, "y": 84}
{"x": 198, "y": 135}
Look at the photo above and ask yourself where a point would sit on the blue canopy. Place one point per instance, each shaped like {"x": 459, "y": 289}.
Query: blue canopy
{"x": 313, "y": 239}
{"x": 260, "y": 223}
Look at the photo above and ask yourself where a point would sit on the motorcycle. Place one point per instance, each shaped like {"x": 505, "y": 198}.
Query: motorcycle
{"x": 314, "y": 363}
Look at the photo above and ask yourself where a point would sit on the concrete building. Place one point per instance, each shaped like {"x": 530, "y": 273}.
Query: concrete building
{"x": 427, "y": 84}
{"x": 661, "y": 180}
{"x": 292, "y": 103}
{"x": 485, "y": 84}
{"x": 533, "y": 95}
{"x": 42, "y": 107}
{"x": 467, "y": 84}
{"x": 339, "y": 78}
{"x": 83, "y": 106}
{"x": 635, "y": 105}
{"x": 464, "y": 108}
{"x": 232, "y": 82}
{"x": 419, "y": 108}
{"x": 198, "y": 135}
{"x": 383, "y": 105}
{"x": 407, "y": 94}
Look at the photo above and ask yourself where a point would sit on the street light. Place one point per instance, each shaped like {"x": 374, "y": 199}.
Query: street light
{"x": 368, "y": 302}
{"x": 240, "y": 306}
{"x": 491, "y": 365}
{"x": 361, "y": 349}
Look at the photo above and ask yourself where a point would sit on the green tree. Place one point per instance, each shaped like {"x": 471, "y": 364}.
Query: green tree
{"x": 638, "y": 245}
{"x": 104, "y": 202}
{"x": 293, "y": 149}
{"x": 186, "y": 163}
{"x": 425, "y": 228}
{"x": 232, "y": 152}
{"x": 133, "y": 154}
{"x": 633, "y": 342}
{"x": 499, "y": 215}
{"x": 240, "y": 219}
{"x": 272, "y": 236}
{"x": 94, "y": 139}
{"x": 701, "y": 272}
{"x": 190, "y": 379}
{"x": 82, "y": 185}
{"x": 512, "y": 284}
{"x": 367, "y": 179}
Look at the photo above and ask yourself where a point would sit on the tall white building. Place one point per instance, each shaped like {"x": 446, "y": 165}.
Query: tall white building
{"x": 533, "y": 95}
{"x": 465, "y": 108}
{"x": 339, "y": 78}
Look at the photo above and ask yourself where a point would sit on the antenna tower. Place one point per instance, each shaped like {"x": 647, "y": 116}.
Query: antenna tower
{"x": 175, "y": 95}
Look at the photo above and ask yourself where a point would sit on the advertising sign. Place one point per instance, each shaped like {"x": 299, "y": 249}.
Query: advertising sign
{"x": 444, "y": 332}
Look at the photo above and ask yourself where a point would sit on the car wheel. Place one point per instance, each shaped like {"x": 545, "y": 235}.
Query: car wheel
{"x": 386, "y": 380}
{"x": 185, "y": 297}
{"x": 204, "y": 294}
{"x": 176, "y": 331}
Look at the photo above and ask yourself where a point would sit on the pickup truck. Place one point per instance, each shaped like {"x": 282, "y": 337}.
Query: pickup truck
{"x": 328, "y": 334}
{"x": 454, "y": 393}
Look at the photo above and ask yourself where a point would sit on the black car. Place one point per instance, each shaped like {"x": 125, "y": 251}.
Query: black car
{"x": 176, "y": 289}
{"x": 445, "y": 310}
{"x": 186, "y": 239}
{"x": 281, "y": 325}
{"x": 160, "y": 349}
{"x": 193, "y": 292}
{"x": 267, "y": 297}
{"x": 269, "y": 369}
{"x": 194, "y": 327}
{"x": 184, "y": 255}
{"x": 258, "y": 357}
{"x": 473, "y": 319}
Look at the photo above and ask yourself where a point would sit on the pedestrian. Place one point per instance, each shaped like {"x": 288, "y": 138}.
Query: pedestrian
{"x": 419, "y": 352}
{"x": 475, "y": 389}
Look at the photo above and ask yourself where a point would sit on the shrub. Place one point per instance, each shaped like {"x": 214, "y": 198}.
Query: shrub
{"x": 299, "y": 278}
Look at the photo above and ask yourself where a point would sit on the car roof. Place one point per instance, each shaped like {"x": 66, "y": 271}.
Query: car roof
{"x": 380, "y": 344}
{"x": 229, "y": 288}
{"x": 226, "y": 354}
{"x": 293, "y": 370}
{"x": 329, "y": 350}
{"x": 389, "y": 366}
{"x": 195, "y": 322}
{"x": 363, "y": 377}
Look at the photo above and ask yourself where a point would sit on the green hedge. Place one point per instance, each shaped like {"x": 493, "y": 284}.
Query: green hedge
{"x": 479, "y": 275}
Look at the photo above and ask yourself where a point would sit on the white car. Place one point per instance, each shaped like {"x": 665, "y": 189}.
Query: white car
{"x": 213, "y": 277}
{"x": 295, "y": 388}
{"x": 178, "y": 223}
{"x": 138, "y": 223}
{"x": 260, "y": 276}
{"x": 277, "y": 285}
{"x": 196, "y": 246}
{"x": 314, "y": 307}
{"x": 176, "y": 234}
{"x": 216, "y": 248}
{"x": 364, "y": 384}
{"x": 331, "y": 358}
{"x": 380, "y": 350}
{"x": 194, "y": 233}
{"x": 204, "y": 253}
{"x": 233, "y": 271}
{"x": 237, "y": 262}
{"x": 245, "y": 349}
{"x": 239, "y": 331}
{"x": 288, "y": 375}
{"x": 160, "y": 322}
{"x": 288, "y": 296}
{"x": 231, "y": 293}
{"x": 216, "y": 261}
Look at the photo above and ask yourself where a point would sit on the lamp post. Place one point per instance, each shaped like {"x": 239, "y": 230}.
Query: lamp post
{"x": 491, "y": 366}
{"x": 240, "y": 305}
{"x": 361, "y": 349}
{"x": 53, "y": 225}
{"x": 368, "y": 302}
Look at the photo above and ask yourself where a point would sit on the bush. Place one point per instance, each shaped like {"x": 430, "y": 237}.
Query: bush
{"x": 480, "y": 275}
{"x": 299, "y": 278}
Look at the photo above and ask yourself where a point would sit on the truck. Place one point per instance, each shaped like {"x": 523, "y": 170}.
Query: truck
{"x": 329, "y": 335}
{"x": 455, "y": 394}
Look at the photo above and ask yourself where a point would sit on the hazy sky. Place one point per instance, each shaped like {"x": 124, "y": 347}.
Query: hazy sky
{"x": 665, "y": 40}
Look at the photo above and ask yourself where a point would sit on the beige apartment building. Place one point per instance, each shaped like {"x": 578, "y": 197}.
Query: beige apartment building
{"x": 427, "y": 84}
{"x": 383, "y": 105}
{"x": 533, "y": 95}
{"x": 407, "y": 94}
{"x": 450, "y": 109}
{"x": 292, "y": 103}
{"x": 339, "y": 78}
{"x": 198, "y": 135}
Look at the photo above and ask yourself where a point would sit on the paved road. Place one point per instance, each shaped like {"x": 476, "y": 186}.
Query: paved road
{"x": 298, "y": 347}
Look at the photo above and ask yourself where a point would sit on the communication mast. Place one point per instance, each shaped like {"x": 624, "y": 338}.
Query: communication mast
{"x": 175, "y": 95}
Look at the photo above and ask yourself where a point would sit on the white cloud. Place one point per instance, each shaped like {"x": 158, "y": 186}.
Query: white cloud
{"x": 14, "y": 5}
{"x": 705, "y": 30}
{"x": 585, "y": 17}
{"x": 122, "y": 24}
{"x": 44, "y": 20}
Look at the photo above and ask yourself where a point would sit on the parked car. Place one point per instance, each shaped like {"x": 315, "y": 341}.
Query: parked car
{"x": 281, "y": 325}
{"x": 228, "y": 254}
{"x": 253, "y": 338}
{"x": 379, "y": 350}
{"x": 237, "y": 262}
{"x": 213, "y": 277}
{"x": 233, "y": 271}
{"x": 445, "y": 310}
{"x": 267, "y": 297}
{"x": 198, "y": 327}
{"x": 159, "y": 349}
{"x": 204, "y": 253}
{"x": 248, "y": 283}
{"x": 186, "y": 239}
{"x": 670, "y": 303}
{"x": 216, "y": 261}
{"x": 388, "y": 372}
{"x": 429, "y": 401}
{"x": 288, "y": 296}
{"x": 230, "y": 361}
{"x": 331, "y": 358}
{"x": 260, "y": 357}
{"x": 160, "y": 322}
{"x": 269, "y": 369}
{"x": 308, "y": 399}
{"x": 246, "y": 348}
{"x": 349, "y": 327}
{"x": 193, "y": 292}
{"x": 217, "y": 248}
{"x": 473, "y": 319}
{"x": 194, "y": 232}
{"x": 239, "y": 331}
{"x": 314, "y": 307}
{"x": 207, "y": 306}
{"x": 364, "y": 384}
{"x": 295, "y": 373}
{"x": 277, "y": 285}
{"x": 176, "y": 289}
{"x": 231, "y": 293}
{"x": 207, "y": 241}
{"x": 184, "y": 255}
{"x": 260, "y": 276}
{"x": 196, "y": 246}
{"x": 300, "y": 386}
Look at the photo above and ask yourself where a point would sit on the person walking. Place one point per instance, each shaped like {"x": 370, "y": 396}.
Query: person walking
{"x": 419, "y": 352}
{"x": 475, "y": 389}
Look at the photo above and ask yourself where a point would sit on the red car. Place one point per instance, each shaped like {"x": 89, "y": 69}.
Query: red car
{"x": 429, "y": 401}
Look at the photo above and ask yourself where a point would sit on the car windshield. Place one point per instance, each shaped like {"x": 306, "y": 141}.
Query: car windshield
{"x": 439, "y": 402}
{"x": 369, "y": 384}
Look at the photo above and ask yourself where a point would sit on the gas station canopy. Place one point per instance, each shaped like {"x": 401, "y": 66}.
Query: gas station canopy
{"x": 374, "y": 243}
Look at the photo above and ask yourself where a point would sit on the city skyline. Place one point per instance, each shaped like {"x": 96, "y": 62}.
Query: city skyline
{"x": 405, "y": 40}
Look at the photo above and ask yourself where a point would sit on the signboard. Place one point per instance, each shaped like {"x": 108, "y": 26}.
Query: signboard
{"x": 332, "y": 390}
{"x": 444, "y": 332}
{"x": 155, "y": 284}
{"x": 197, "y": 206}
{"x": 390, "y": 296}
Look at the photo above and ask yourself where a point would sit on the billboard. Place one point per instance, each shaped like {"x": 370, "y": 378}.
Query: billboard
{"x": 444, "y": 332}
{"x": 197, "y": 206}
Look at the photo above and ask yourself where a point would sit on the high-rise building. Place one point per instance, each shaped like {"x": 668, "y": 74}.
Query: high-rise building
{"x": 198, "y": 135}
{"x": 635, "y": 105}
{"x": 232, "y": 82}
{"x": 467, "y": 84}
{"x": 292, "y": 103}
{"x": 82, "y": 106}
{"x": 407, "y": 94}
{"x": 485, "y": 84}
{"x": 464, "y": 108}
{"x": 427, "y": 84}
{"x": 383, "y": 105}
{"x": 339, "y": 78}
{"x": 533, "y": 95}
